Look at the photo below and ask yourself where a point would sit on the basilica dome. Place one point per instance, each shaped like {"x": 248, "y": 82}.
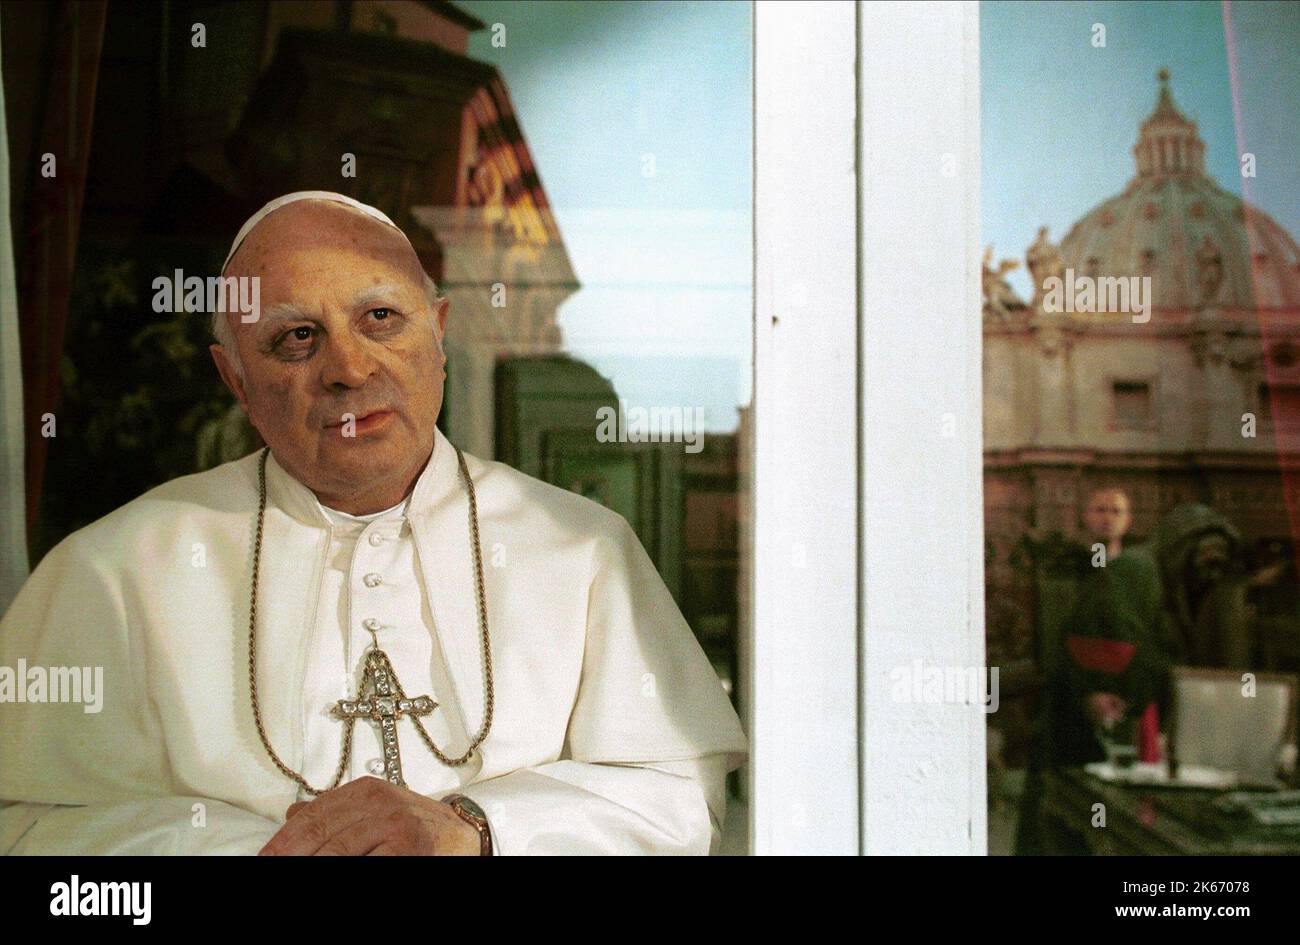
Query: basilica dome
{"x": 1200, "y": 244}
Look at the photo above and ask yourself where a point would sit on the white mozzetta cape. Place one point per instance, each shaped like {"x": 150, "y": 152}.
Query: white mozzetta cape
{"x": 612, "y": 733}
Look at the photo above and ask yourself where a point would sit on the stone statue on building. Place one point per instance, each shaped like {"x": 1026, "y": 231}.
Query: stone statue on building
{"x": 1209, "y": 270}
{"x": 1001, "y": 304}
{"x": 1043, "y": 259}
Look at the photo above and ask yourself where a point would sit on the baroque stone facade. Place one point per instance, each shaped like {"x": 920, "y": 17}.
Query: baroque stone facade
{"x": 1197, "y": 402}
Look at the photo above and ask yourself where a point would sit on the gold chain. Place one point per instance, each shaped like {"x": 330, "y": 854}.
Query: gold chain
{"x": 346, "y": 754}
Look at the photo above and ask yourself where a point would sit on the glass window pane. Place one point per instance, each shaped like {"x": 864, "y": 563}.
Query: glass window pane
{"x": 1142, "y": 306}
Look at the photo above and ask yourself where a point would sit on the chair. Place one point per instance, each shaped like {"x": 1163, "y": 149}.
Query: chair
{"x": 1216, "y": 724}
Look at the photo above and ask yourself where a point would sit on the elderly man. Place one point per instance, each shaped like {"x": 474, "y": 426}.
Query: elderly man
{"x": 358, "y": 640}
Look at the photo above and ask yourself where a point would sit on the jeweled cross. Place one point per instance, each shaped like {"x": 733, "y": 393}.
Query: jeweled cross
{"x": 382, "y": 701}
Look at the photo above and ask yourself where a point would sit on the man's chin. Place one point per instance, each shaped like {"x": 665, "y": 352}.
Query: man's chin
{"x": 374, "y": 451}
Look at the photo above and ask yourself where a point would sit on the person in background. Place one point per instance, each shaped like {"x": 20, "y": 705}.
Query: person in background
{"x": 1205, "y": 613}
{"x": 1117, "y": 602}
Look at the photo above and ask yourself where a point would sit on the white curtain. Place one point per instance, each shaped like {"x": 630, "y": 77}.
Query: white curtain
{"x": 13, "y": 539}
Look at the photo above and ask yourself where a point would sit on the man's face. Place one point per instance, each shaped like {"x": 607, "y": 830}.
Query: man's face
{"x": 1210, "y": 559}
{"x": 342, "y": 372}
{"x": 1107, "y": 514}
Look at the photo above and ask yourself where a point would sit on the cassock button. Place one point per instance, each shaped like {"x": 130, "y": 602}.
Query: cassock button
{"x": 372, "y": 580}
{"x": 375, "y": 765}
{"x": 376, "y": 539}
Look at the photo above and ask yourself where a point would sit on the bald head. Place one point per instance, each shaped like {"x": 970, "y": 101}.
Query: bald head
{"x": 325, "y": 222}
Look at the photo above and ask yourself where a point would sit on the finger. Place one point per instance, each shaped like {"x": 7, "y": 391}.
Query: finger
{"x": 304, "y": 833}
{"x": 423, "y": 831}
{"x": 309, "y": 830}
{"x": 360, "y": 838}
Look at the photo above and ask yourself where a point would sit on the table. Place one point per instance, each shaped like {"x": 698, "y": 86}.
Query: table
{"x": 1149, "y": 821}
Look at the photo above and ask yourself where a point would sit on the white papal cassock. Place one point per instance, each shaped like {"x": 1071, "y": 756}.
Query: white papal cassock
{"x": 611, "y": 734}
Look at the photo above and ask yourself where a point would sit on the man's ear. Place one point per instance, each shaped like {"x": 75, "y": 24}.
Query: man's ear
{"x": 441, "y": 309}
{"x": 229, "y": 376}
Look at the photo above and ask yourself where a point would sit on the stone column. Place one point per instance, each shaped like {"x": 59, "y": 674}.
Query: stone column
{"x": 1055, "y": 400}
{"x": 1222, "y": 398}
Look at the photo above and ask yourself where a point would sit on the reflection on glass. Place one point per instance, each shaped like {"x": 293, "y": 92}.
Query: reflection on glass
{"x": 576, "y": 179}
{"x": 1141, "y": 315}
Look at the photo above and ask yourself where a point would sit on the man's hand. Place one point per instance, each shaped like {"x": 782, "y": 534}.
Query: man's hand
{"x": 1105, "y": 708}
{"x": 370, "y": 817}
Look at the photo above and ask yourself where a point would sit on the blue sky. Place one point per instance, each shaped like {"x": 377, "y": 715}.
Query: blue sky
{"x": 665, "y": 259}
{"x": 1060, "y": 117}
{"x": 604, "y": 92}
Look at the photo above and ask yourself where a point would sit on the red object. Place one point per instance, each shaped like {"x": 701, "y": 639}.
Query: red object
{"x": 46, "y": 245}
{"x": 1148, "y": 735}
{"x": 1106, "y": 656}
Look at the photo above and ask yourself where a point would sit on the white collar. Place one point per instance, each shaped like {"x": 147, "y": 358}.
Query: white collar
{"x": 437, "y": 483}
{"x": 346, "y": 520}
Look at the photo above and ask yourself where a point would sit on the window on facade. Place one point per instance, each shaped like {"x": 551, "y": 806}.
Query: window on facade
{"x": 1132, "y": 401}
{"x": 1279, "y": 405}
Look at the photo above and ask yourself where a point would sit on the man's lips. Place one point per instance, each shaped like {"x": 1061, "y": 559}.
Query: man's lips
{"x": 368, "y": 419}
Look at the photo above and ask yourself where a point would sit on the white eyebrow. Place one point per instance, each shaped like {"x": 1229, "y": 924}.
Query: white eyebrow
{"x": 288, "y": 312}
{"x": 283, "y": 312}
{"x": 378, "y": 293}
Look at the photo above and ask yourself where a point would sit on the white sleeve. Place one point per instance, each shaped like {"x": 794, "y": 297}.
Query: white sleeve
{"x": 650, "y": 739}
{"x": 149, "y": 827}
{"x": 78, "y": 782}
{"x": 577, "y": 808}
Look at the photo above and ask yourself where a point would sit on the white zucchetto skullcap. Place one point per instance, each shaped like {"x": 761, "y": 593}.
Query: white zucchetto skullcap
{"x": 279, "y": 202}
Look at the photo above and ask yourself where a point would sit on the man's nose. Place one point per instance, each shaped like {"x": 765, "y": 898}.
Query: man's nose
{"x": 346, "y": 362}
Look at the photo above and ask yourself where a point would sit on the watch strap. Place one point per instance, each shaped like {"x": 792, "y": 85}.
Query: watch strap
{"x": 468, "y": 810}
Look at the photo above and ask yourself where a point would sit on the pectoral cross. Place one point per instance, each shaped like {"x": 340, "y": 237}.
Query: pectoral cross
{"x": 382, "y": 700}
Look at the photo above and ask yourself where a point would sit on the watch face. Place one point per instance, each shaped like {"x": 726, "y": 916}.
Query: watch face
{"x": 468, "y": 806}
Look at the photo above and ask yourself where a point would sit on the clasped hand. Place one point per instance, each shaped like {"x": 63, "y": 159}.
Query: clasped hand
{"x": 370, "y": 817}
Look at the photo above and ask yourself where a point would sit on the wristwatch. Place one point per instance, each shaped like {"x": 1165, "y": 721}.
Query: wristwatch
{"x": 472, "y": 814}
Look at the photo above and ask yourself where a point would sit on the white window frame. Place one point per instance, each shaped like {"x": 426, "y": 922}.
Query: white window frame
{"x": 867, "y": 486}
